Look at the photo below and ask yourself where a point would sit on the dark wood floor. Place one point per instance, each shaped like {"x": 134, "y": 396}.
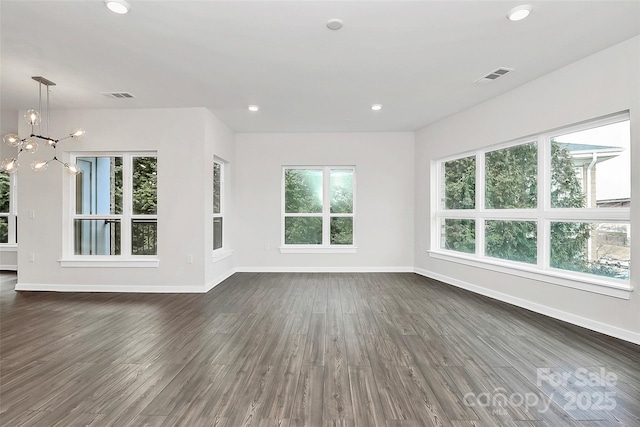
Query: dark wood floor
{"x": 393, "y": 350}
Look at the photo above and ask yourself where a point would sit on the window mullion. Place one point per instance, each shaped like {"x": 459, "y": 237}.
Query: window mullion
{"x": 326, "y": 206}
{"x": 437, "y": 187}
{"x": 479, "y": 210}
{"x": 304, "y": 214}
{"x": 544, "y": 201}
{"x": 127, "y": 205}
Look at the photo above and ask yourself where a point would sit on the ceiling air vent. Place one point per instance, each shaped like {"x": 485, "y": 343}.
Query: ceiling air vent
{"x": 499, "y": 72}
{"x": 119, "y": 95}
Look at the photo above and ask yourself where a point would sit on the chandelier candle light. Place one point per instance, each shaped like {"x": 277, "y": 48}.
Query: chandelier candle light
{"x": 30, "y": 145}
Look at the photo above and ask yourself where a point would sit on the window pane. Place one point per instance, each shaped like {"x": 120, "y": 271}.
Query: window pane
{"x": 216, "y": 187}
{"x": 217, "y": 233}
{"x": 341, "y": 191}
{"x": 460, "y": 183}
{"x": 591, "y": 168}
{"x": 144, "y": 237}
{"x": 99, "y": 186}
{"x": 96, "y": 237}
{"x": 4, "y": 229}
{"x": 303, "y": 230}
{"x": 512, "y": 177}
{"x": 303, "y": 190}
{"x": 512, "y": 240}
{"x": 342, "y": 231}
{"x": 145, "y": 192}
{"x": 5, "y": 185}
{"x": 459, "y": 235}
{"x": 595, "y": 248}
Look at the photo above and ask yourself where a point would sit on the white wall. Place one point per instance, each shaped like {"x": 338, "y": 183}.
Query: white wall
{"x": 220, "y": 143}
{"x": 384, "y": 199}
{"x": 601, "y": 84}
{"x": 180, "y": 137}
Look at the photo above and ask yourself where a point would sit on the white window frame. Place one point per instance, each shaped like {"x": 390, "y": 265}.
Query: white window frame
{"x": 11, "y": 216}
{"x": 543, "y": 215}
{"x": 221, "y": 163}
{"x": 326, "y": 215}
{"x": 125, "y": 259}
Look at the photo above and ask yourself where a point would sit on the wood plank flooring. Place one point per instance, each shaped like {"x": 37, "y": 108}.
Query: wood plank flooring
{"x": 289, "y": 350}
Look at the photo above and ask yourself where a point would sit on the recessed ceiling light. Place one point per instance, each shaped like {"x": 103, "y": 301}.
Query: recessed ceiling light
{"x": 118, "y": 6}
{"x": 334, "y": 24}
{"x": 376, "y": 107}
{"x": 518, "y": 13}
{"x": 253, "y": 108}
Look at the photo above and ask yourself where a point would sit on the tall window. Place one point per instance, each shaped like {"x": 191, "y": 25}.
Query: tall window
{"x": 218, "y": 203}
{"x": 116, "y": 205}
{"x": 8, "y": 208}
{"x": 558, "y": 201}
{"x": 318, "y": 206}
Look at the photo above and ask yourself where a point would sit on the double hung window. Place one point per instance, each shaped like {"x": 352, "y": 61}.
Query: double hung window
{"x": 115, "y": 205}
{"x": 318, "y": 207}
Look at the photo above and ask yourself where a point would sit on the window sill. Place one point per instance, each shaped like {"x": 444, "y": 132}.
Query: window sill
{"x": 292, "y": 249}
{"x": 110, "y": 262}
{"x": 613, "y": 288}
{"x": 8, "y": 247}
{"x": 220, "y": 254}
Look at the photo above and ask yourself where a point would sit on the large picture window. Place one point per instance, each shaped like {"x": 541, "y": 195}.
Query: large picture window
{"x": 318, "y": 207}
{"x": 556, "y": 203}
{"x": 115, "y": 205}
{"x": 8, "y": 217}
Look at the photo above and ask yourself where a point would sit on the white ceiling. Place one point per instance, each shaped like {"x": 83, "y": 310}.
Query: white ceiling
{"x": 417, "y": 58}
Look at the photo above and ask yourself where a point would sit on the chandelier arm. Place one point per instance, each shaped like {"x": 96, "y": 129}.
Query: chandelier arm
{"x": 33, "y": 135}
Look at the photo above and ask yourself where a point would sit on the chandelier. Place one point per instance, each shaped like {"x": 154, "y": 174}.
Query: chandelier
{"x": 30, "y": 144}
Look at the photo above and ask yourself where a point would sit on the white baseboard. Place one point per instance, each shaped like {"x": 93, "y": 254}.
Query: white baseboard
{"x": 584, "y": 322}
{"x": 8, "y": 267}
{"x": 172, "y": 289}
{"x": 325, "y": 269}
{"x": 215, "y": 282}
{"x": 58, "y": 287}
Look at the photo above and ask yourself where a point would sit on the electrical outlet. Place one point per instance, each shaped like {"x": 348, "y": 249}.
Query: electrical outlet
{"x": 32, "y": 257}
{"x": 31, "y": 214}
{"x": 189, "y": 259}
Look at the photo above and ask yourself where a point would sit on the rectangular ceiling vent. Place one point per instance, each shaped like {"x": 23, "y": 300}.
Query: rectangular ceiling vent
{"x": 499, "y": 72}
{"x": 118, "y": 95}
